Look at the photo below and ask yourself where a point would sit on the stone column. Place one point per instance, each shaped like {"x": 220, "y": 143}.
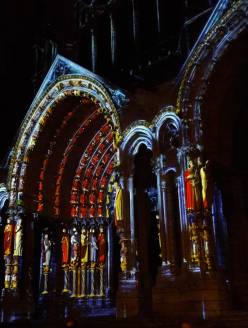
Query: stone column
{"x": 101, "y": 281}
{"x": 66, "y": 279}
{"x": 127, "y": 295}
{"x": 161, "y": 204}
{"x": 165, "y": 221}
{"x": 183, "y": 220}
{"x": 132, "y": 250}
{"x": 17, "y": 250}
{"x": 109, "y": 260}
{"x": 113, "y": 39}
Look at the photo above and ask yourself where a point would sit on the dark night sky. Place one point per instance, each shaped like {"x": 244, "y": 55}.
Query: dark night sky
{"x": 24, "y": 23}
{"x": 29, "y": 21}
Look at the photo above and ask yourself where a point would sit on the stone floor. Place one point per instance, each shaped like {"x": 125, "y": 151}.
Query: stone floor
{"x": 99, "y": 313}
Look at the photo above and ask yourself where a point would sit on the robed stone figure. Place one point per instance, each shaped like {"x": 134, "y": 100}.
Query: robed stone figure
{"x": 18, "y": 234}
{"x": 65, "y": 244}
{"x": 192, "y": 188}
{"x": 46, "y": 249}
{"x": 92, "y": 247}
{"x": 84, "y": 246}
{"x": 102, "y": 246}
{"x": 8, "y": 238}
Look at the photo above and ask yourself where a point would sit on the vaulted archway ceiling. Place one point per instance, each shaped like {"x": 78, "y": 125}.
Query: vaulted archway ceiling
{"x": 72, "y": 162}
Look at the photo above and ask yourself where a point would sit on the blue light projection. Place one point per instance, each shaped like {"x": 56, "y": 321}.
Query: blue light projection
{"x": 137, "y": 135}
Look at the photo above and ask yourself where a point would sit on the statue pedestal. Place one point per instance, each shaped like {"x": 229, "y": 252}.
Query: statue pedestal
{"x": 66, "y": 279}
{"x": 127, "y": 298}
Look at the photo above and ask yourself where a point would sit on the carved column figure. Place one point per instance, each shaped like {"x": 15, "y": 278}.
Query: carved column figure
{"x": 46, "y": 252}
{"x": 17, "y": 251}
{"x": 84, "y": 255}
{"x": 8, "y": 251}
{"x": 192, "y": 188}
{"x": 120, "y": 217}
{"x": 118, "y": 203}
{"x": 65, "y": 248}
{"x": 93, "y": 253}
{"x": 74, "y": 259}
{"x": 206, "y": 177}
{"x": 102, "y": 255}
{"x": 193, "y": 211}
{"x": 208, "y": 251}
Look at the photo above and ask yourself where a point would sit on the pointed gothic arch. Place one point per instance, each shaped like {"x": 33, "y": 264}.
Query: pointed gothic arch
{"x": 80, "y": 91}
{"x": 60, "y": 182}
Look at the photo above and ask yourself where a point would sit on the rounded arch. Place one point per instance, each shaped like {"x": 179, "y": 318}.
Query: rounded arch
{"x": 166, "y": 115}
{"x": 135, "y": 135}
{"x": 168, "y": 128}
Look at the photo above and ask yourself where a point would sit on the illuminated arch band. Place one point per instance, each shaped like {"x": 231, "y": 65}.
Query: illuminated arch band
{"x": 202, "y": 63}
{"x": 56, "y": 87}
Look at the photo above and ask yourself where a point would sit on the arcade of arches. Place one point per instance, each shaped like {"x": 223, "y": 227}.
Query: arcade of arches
{"x": 103, "y": 206}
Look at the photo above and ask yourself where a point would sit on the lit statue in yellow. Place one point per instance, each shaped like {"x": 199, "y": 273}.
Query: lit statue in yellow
{"x": 206, "y": 184}
{"x": 118, "y": 203}
{"x": 84, "y": 246}
{"x": 117, "y": 138}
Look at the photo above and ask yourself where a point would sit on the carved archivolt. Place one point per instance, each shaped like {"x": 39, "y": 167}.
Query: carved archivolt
{"x": 39, "y": 113}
